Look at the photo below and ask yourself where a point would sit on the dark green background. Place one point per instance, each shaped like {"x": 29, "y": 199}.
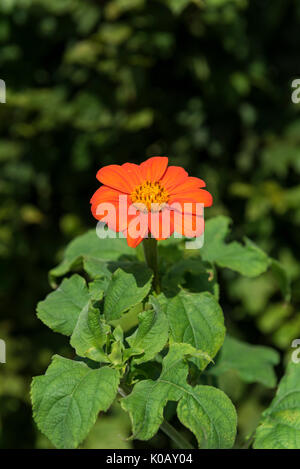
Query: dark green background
{"x": 90, "y": 83}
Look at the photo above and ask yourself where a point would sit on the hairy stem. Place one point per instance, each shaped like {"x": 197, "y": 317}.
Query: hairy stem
{"x": 169, "y": 430}
{"x": 175, "y": 436}
{"x": 249, "y": 441}
{"x": 150, "y": 253}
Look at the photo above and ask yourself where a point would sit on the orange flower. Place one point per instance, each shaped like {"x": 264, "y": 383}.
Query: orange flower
{"x": 150, "y": 198}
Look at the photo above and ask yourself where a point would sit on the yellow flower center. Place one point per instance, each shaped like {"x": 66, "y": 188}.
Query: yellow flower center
{"x": 149, "y": 196}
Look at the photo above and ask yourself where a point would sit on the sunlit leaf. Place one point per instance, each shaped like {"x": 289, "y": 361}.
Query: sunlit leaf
{"x": 124, "y": 291}
{"x": 280, "y": 424}
{"x": 253, "y": 363}
{"x": 92, "y": 250}
{"x": 213, "y": 418}
{"x": 90, "y": 334}
{"x": 197, "y": 319}
{"x": 61, "y": 309}
{"x": 67, "y": 399}
{"x": 246, "y": 259}
{"x": 152, "y": 333}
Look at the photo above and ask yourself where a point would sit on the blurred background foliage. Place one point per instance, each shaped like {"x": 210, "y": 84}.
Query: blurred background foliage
{"x": 90, "y": 83}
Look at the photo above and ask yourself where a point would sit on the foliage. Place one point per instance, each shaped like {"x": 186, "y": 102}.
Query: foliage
{"x": 279, "y": 428}
{"x": 69, "y": 397}
{"x": 207, "y": 83}
{"x": 179, "y": 333}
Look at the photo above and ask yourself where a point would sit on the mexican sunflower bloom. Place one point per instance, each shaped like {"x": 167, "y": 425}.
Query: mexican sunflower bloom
{"x": 150, "y": 200}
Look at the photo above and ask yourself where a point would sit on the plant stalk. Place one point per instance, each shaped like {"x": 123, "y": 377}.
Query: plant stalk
{"x": 175, "y": 436}
{"x": 169, "y": 430}
{"x": 151, "y": 259}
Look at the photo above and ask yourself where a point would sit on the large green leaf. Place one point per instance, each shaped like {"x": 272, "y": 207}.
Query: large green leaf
{"x": 210, "y": 415}
{"x": 280, "y": 424}
{"x": 214, "y": 425}
{"x": 246, "y": 259}
{"x": 61, "y": 308}
{"x": 67, "y": 399}
{"x": 152, "y": 333}
{"x": 90, "y": 334}
{"x": 124, "y": 291}
{"x": 254, "y": 364}
{"x": 93, "y": 252}
{"x": 197, "y": 319}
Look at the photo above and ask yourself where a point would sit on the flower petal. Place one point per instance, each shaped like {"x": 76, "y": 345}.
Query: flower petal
{"x": 134, "y": 173}
{"x": 134, "y": 242}
{"x": 154, "y": 168}
{"x": 116, "y": 177}
{"x": 188, "y": 225}
{"x": 174, "y": 176}
{"x": 113, "y": 213}
{"x": 189, "y": 184}
{"x": 194, "y": 208}
{"x": 161, "y": 224}
{"x": 137, "y": 230}
{"x": 199, "y": 196}
{"x": 104, "y": 194}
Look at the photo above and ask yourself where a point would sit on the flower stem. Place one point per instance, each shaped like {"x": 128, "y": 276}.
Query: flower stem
{"x": 169, "y": 430}
{"x": 175, "y": 436}
{"x": 150, "y": 252}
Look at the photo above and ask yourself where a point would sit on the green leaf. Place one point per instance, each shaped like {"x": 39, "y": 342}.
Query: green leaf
{"x": 197, "y": 319}
{"x": 104, "y": 268}
{"x": 116, "y": 355}
{"x": 61, "y": 308}
{"x": 101, "y": 272}
{"x": 280, "y": 424}
{"x": 97, "y": 288}
{"x": 96, "y": 267}
{"x": 93, "y": 251}
{"x": 210, "y": 415}
{"x": 146, "y": 403}
{"x": 248, "y": 260}
{"x": 124, "y": 291}
{"x": 90, "y": 335}
{"x": 191, "y": 273}
{"x": 152, "y": 333}
{"x": 254, "y": 364}
{"x": 129, "y": 319}
{"x": 67, "y": 399}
